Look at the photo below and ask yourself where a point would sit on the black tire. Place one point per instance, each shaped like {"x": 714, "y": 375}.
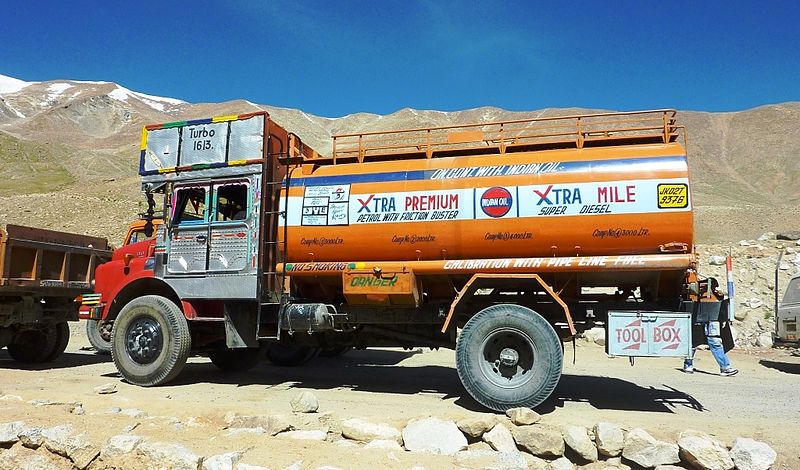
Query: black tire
{"x": 334, "y": 352}
{"x": 529, "y": 368}
{"x": 61, "y": 341}
{"x": 236, "y": 360}
{"x": 34, "y": 345}
{"x": 99, "y": 334}
{"x": 290, "y": 355}
{"x": 150, "y": 341}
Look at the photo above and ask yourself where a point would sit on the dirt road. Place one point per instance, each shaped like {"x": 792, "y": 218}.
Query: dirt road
{"x": 394, "y": 386}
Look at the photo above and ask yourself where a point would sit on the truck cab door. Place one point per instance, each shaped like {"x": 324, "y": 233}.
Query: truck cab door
{"x": 230, "y": 234}
{"x": 188, "y": 241}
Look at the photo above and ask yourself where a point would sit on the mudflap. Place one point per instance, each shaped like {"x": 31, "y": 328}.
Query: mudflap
{"x": 726, "y": 334}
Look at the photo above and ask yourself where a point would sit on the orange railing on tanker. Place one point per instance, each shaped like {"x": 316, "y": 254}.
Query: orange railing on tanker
{"x": 577, "y": 131}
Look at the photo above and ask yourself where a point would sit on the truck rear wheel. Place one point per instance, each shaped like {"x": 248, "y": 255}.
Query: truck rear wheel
{"x": 34, "y": 345}
{"x": 291, "y": 355}
{"x": 508, "y": 356}
{"x": 150, "y": 341}
{"x": 236, "y": 360}
{"x": 99, "y": 334}
{"x": 61, "y": 341}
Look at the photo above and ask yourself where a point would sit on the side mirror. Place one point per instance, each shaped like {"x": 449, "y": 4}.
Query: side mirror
{"x": 148, "y": 228}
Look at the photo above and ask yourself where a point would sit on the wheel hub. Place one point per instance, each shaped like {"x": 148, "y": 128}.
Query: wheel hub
{"x": 144, "y": 340}
{"x": 509, "y": 357}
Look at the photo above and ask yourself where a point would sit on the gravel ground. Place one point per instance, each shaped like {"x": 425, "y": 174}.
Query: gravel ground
{"x": 393, "y": 386}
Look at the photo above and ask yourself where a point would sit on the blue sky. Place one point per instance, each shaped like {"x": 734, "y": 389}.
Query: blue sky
{"x": 334, "y": 58}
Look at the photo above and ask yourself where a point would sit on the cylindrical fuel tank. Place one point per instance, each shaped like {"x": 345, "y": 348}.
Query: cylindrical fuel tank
{"x": 614, "y": 200}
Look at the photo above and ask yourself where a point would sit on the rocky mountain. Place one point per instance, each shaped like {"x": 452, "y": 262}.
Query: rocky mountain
{"x": 75, "y": 142}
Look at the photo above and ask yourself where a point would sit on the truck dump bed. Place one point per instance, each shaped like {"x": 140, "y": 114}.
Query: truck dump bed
{"x": 47, "y": 262}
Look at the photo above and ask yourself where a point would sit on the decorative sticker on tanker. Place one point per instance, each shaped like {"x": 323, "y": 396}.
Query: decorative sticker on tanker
{"x": 417, "y": 206}
{"x": 673, "y": 196}
{"x": 326, "y": 205}
{"x": 335, "y": 204}
{"x": 496, "y": 202}
{"x": 595, "y": 198}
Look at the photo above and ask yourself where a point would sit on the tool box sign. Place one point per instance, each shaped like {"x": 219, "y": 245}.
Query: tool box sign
{"x": 656, "y": 335}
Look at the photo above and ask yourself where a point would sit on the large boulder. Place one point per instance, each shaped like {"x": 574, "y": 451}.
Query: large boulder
{"x": 364, "y": 431}
{"x": 523, "y": 416}
{"x": 596, "y": 335}
{"x": 609, "y": 439}
{"x": 433, "y": 435}
{"x": 500, "y": 439}
{"x": 307, "y": 435}
{"x": 20, "y": 457}
{"x": 9, "y": 432}
{"x": 562, "y": 463}
{"x": 173, "y": 456}
{"x": 748, "y": 454}
{"x": 120, "y": 445}
{"x": 702, "y": 451}
{"x": 647, "y": 451}
{"x": 305, "y": 402}
{"x": 227, "y": 461}
{"x": 475, "y": 426}
{"x": 577, "y": 439}
{"x": 271, "y": 424}
{"x": 31, "y": 437}
{"x": 541, "y": 441}
{"x": 791, "y": 235}
{"x": 62, "y": 440}
{"x": 491, "y": 459}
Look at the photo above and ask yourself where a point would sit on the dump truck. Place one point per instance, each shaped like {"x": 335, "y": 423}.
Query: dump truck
{"x": 42, "y": 272}
{"x": 500, "y": 240}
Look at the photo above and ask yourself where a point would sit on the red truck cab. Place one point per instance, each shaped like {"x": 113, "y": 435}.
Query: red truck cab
{"x": 133, "y": 260}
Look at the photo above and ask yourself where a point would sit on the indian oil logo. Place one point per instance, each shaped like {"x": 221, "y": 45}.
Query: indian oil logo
{"x": 496, "y": 202}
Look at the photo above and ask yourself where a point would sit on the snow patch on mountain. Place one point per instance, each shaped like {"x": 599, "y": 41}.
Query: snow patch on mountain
{"x": 156, "y": 102}
{"x": 54, "y": 90}
{"x": 12, "y": 85}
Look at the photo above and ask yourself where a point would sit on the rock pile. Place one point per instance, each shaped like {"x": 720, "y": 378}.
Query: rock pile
{"x": 482, "y": 441}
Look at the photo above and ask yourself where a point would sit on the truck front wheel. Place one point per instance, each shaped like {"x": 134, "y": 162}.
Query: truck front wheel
{"x": 508, "y": 356}
{"x": 150, "y": 341}
{"x": 99, "y": 334}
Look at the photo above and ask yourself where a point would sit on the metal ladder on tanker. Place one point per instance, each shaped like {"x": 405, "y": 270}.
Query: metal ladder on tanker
{"x": 272, "y": 281}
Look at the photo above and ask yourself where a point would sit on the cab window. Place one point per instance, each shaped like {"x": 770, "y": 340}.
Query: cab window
{"x": 792, "y": 295}
{"x": 137, "y": 236}
{"x": 190, "y": 205}
{"x": 231, "y": 202}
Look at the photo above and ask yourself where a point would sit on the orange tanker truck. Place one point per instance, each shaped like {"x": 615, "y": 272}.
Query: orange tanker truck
{"x": 500, "y": 240}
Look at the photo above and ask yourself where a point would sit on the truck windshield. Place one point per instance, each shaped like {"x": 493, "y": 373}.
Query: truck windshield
{"x": 190, "y": 205}
{"x": 231, "y": 202}
{"x": 792, "y": 295}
